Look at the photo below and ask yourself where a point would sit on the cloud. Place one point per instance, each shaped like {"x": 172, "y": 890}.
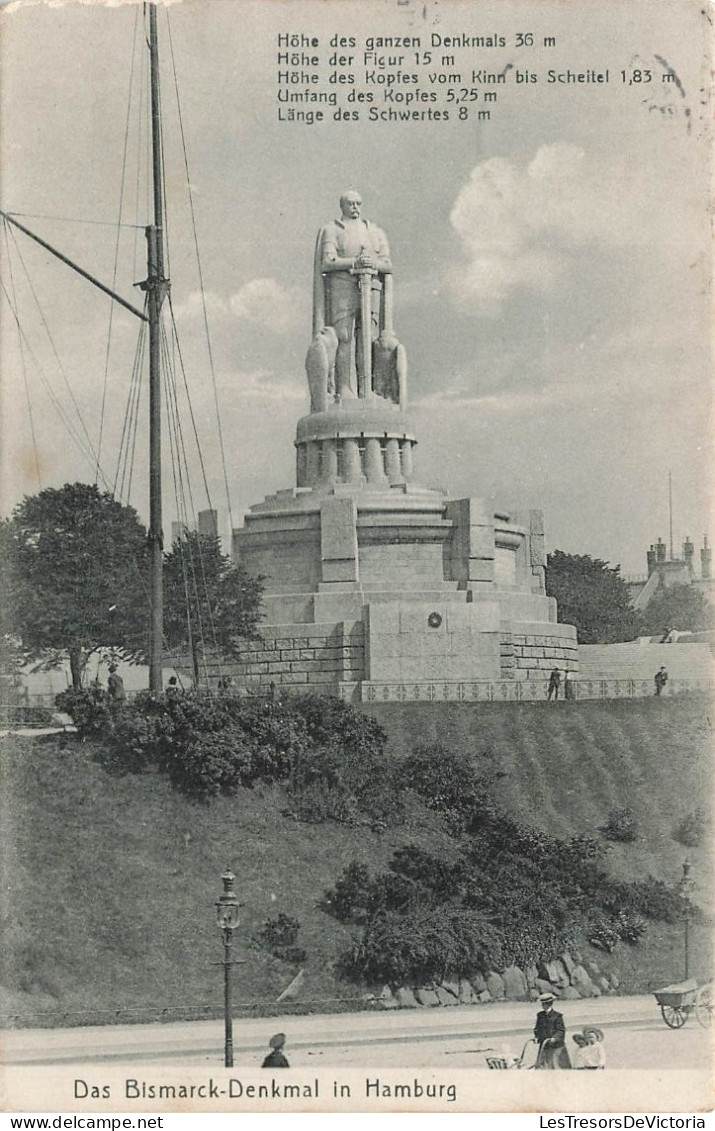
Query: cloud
{"x": 528, "y": 225}
{"x": 266, "y": 303}
{"x": 515, "y": 224}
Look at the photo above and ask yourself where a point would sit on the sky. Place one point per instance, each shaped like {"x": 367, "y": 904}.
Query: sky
{"x": 550, "y": 265}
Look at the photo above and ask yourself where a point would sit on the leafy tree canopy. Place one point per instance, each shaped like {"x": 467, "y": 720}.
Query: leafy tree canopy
{"x": 592, "y": 596}
{"x": 679, "y": 606}
{"x": 210, "y": 602}
{"x": 73, "y": 565}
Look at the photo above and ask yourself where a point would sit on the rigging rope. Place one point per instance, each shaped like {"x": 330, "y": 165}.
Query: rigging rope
{"x": 52, "y": 344}
{"x": 86, "y": 451}
{"x": 116, "y": 245}
{"x": 71, "y": 220}
{"x": 201, "y": 278}
{"x": 22, "y": 362}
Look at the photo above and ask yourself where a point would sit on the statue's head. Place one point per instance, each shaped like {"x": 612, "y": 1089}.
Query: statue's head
{"x": 350, "y": 204}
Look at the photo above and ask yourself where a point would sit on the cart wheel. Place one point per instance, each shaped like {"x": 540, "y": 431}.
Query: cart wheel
{"x": 704, "y": 1006}
{"x": 674, "y": 1016}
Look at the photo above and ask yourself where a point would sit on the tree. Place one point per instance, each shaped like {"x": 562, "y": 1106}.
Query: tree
{"x": 210, "y": 603}
{"x": 592, "y": 596}
{"x": 677, "y": 606}
{"x": 74, "y": 577}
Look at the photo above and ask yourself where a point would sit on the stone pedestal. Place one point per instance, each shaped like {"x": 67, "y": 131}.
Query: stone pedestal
{"x": 373, "y": 580}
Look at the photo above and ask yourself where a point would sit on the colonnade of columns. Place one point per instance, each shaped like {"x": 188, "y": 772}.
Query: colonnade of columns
{"x": 381, "y": 461}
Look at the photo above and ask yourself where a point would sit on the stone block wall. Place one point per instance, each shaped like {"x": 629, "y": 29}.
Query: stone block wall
{"x": 533, "y": 655}
{"x": 299, "y": 657}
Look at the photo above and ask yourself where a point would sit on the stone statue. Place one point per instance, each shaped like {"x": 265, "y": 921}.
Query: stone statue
{"x": 354, "y": 351}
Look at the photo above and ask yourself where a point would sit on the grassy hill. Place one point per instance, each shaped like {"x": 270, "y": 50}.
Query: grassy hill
{"x": 109, "y": 883}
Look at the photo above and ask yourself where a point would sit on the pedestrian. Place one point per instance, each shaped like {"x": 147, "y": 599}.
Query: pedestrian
{"x": 591, "y": 1051}
{"x": 661, "y": 678}
{"x": 550, "y": 1033}
{"x": 275, "y": 1058}
{"x": 554, "y": 684}
{"x": 115, "y": 687}
{"x": 568, "y": 686}
{"x": 173, "y": 691}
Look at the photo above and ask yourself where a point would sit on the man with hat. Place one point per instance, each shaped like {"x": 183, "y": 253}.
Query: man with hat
{"x": 275, "y": 1058}
{"x": 550, "y": 1032}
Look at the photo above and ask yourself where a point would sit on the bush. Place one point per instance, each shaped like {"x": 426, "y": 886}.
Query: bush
{"x": 418, "y": 948}
{"x": 352, "y": 900}
{"x": 631, "y": 927}
{"x": 280, "y": 937}
{"x": 448, "y": 780}
{"x": 692, "y": 829}
{"x": 622, "y": 825}
{"x": 602, "y": 931}
{"x": 88, "y": 706}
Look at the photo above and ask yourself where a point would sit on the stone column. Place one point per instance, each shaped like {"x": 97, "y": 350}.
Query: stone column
{"x": 311, "y": 470}
{"x": 352, "y": 472}
{"x": 392, "y": 461}
{"x": 300, "y": 472}
{"x": 330, "y": 461}
{"x": 373, "y": 460}
{"x": 406, "y": 448}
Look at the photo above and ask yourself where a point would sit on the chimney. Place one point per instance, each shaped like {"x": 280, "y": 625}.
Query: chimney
{"x": 208, "y": 523}
{"x": 660, "y": 551}
{"x": 650, "y": 558}
{"x": 706, "y": 560}
{"x": 688, "y": 553}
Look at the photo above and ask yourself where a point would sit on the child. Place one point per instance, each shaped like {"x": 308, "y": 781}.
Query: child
{"x": 591, "y": 1051}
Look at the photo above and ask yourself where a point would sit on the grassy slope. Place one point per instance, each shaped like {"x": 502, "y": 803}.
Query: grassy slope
{"x": 109, "y": 883}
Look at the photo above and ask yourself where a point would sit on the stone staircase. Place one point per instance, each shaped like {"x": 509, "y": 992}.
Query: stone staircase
{"x": 634, "y": 661}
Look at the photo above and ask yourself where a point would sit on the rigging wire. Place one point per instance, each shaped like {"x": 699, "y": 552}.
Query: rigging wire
{"x": 22, "y": 361}
{"x": 186, "y": 547}
{"x": 201, "y": 278}
{"x": 71, "y": 219}
{"x": 52, "y": 345}
{"x": 131, "y": 415}
{"x": 86, "y": 451}
{"x": 116, "y": 246}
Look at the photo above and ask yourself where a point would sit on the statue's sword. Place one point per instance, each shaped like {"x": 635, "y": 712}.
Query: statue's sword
{"x": 365, "y": 285}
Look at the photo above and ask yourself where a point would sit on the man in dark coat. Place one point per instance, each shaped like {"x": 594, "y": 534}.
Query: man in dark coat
{"x": 550, "y": 1032}
{"x": 276, "y": 1058}
{"x": 554, "y": 684}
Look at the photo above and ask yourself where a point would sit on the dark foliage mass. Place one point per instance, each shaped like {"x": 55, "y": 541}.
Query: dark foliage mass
{"x": 681, "y": 607}
{"x": 73, "y": 564}
{"x": 592, "y": 596}
{"x": 509, "y": 894}
{"x": 503, "y": 893}
{"x": 332, "y": 760}
{"x": 210, "y": 602}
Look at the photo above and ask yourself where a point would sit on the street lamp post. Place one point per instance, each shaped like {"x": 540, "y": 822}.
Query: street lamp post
{"x": 227, "y": 917}
{"x": 686, "y": 886}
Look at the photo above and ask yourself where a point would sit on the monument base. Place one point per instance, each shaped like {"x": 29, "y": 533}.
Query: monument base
{"x": 376, "y": 584}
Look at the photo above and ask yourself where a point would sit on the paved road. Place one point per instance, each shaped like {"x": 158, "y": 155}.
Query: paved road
{"x": 461, "y": 1037}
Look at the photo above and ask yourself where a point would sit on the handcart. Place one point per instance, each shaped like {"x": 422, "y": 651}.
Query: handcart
{"x": 681, "y": 999}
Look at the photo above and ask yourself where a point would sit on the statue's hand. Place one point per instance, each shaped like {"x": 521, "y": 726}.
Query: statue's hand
{"x": 366, "y": 261}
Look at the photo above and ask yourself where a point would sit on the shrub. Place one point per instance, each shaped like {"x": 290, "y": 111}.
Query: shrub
{"x": 630, "y": 927}
{"x": 448, "y": 780}
{"x": 417, "y": 948}
{"x": 622, "y": 825}
{"x": 692, "y": 829}
{"x": 352, "y": 900}
{"x": 602, "y": 931}
{"x": 88, "y": 706}
{"x": 280, "y": 937}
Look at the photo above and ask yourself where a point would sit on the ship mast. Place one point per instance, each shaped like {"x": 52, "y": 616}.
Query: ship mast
{"x": 156, "y": 286}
